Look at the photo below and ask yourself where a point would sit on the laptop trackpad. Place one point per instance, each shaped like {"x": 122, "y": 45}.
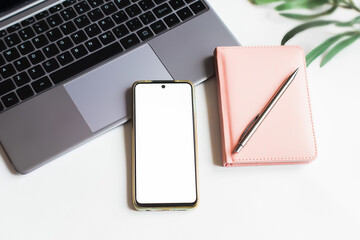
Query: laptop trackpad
{"x": 103, "y": 95}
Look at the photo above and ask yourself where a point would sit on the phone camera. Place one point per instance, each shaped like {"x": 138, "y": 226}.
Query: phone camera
{"x": 163, "y": 86}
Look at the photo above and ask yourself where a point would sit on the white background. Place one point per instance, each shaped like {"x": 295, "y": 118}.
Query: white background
{"x": 86, "y": 194}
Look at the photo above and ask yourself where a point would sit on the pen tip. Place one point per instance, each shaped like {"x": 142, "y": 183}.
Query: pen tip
{"x": 238, "y": 148}
{"x": 293, "y": 75}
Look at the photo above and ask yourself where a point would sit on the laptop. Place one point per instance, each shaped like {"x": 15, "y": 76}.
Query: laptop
{"x": 67, "y": 67}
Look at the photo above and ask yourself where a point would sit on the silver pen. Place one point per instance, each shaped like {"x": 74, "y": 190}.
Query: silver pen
{"x": 259, "y": 118}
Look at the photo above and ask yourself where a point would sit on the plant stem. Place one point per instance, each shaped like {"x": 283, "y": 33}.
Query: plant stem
{"x": 350, "y": 5}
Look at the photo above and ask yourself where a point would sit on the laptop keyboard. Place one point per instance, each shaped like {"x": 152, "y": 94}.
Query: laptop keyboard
{"x": 48, "y": 48}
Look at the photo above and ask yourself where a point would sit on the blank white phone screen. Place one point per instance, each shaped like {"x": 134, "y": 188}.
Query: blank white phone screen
{"x": 164, "y": 143}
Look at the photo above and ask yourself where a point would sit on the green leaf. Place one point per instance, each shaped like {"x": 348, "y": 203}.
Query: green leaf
{"x": 307, "y": 4}
{"x": 338, "y": 47}
{"x": 309, "y": 17}
{"x": 353, "y": 5}
{"x": 349, "y": 23}
{"x": 303, "y": 27}
{"x": 260, "y": 2}
{"x": 324, "y": 46}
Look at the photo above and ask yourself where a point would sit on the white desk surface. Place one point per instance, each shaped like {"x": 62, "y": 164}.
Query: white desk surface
{"x": 86, "y": 194}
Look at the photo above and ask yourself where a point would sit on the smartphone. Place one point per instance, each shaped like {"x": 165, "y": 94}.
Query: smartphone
{"x": 164, "y": 146}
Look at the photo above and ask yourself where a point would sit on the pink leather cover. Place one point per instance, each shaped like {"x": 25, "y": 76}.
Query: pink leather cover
{"x": 247, "y": 78}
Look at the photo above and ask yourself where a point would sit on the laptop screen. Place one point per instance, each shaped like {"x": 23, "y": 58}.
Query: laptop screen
{"x": 9, "y": 6}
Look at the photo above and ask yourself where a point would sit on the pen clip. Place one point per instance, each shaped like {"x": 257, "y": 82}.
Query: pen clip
{"x": 249, "y": 126}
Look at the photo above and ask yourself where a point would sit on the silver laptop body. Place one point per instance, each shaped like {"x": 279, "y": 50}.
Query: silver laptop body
{"x": 61, "y": 118}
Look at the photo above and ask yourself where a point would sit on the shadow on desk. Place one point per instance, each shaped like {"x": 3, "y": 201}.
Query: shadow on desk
{"x": 7, "y": 161}
{"x": 128, "y": 152}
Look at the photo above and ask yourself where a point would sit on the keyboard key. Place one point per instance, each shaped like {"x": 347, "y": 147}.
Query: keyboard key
{"x": 145, "y": 33}
{"x": 54, "y": 34}
{"x": 162, "y": 10}
{"x": 95, "y": 14}
{"x": 28, "y": 21}
{"x": 68, "y": 14}
{"x": 65, "y": 58}
{"x": 2, "y": 45}
{"x": 68, "y": 28}
{"x": 176, "y": 4}
{"x": 133, "y": 10}
{"x": 22, "y": 64}
{"x": 171, "y": 20}
{"x": 7, "y": 71}
{"x": 6, "y": 86}
{"x": 130, "y": 41}
{"x": 2, "y": 60}
{"x": 93, "y": 44}
{"x": 2, "y": 33}
{"x": 184, "y": 13}
{"x": 12, "y": 40}
{"x": 50, "y": 50}
{"x": 54, "y": 20}
{"x": 120, "y": 31}
{"x": 106, "y": 24}
{"x": 26, "y": 33}
{"x": 50, "y": 65}
{"x": 120, "y": 17}
{"x": 40, "y": 41}
{"x": 122, "y": 3}
{"x": 40, "y": 27}
{"x": 197, "y": 7}
{"x": 79, "y": 51}
{"x": 92, "y": 30}
{"x": 36, "y": 72}
{"x": 158, "y": 27}
{"x": 36, "y": 57}
{"x": 106, "y": 38}
{"x": 10, "y": 99}
{"x": 96, "y": 3}
{"x": 13, "y": 28}
{"x": 147, "y": 17}
{"x": 134, "y": 24}
{"x": 26, "y": 47}
{"x": 11, "y": 54}
{"x": 78, "y": 37}
{"x": 1, "y": 107}
{"x": 68, "y": 3}
{"x": 55, "y": 8}
{"x": 159, "y": 1}
{"x": 82, "y": 21}
{"x": 108, "y": 8}
{"x": 65, "y": 43}
{"x": 146, "y": 4}
{"x": 25, "y": 92}
{"x": 21, "y": 79}
{"x": 77, "y": 67}
{"x": 189, "y": 1}
{"x": 41, "y": 84}
{"x": 41, "y": 15}
{"x": 82, "y": 7}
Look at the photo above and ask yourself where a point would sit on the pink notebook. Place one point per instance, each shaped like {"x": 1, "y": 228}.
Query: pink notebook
{"x": 247, "y": 78}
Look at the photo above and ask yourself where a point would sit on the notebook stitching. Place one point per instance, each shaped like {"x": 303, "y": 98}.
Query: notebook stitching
{"x": 309, "y": 104}
{"x": 263, "y": 163}
{"x": 237, "y": 160}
